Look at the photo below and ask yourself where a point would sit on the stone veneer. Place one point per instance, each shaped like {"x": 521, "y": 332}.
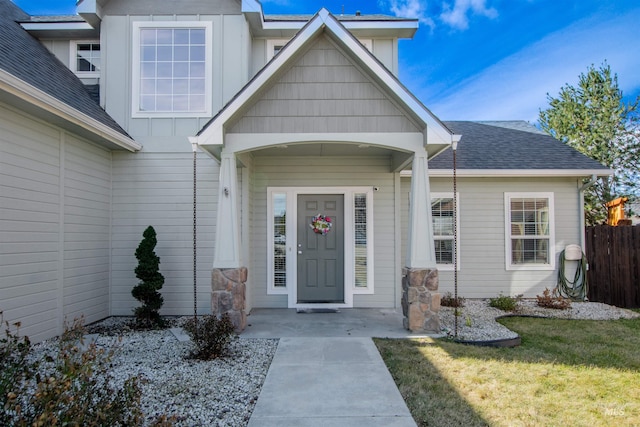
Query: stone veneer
{"x": 420, "y": 300}
{"x": 228, "y": 294}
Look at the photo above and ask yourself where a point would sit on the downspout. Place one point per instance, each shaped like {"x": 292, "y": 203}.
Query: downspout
{"x": 584, "y": 186}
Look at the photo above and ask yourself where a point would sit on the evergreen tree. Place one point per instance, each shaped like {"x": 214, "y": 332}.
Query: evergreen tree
{"x": 151, "y": 281}
{"x": 593, "y": 119}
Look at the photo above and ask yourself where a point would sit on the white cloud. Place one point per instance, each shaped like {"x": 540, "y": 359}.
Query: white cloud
{"x": 457, "y": 16}
{"x": 517, "y": 86}
{"x": 416, "y": 9}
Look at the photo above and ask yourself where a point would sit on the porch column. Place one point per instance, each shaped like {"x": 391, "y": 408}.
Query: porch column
{"x": 420, "y": 297}
{"x": 228, "y": 278}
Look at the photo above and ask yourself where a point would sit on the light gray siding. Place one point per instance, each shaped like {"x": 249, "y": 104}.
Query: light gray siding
{"x": 324, "y": 92}
{"x": 326, "y": 172}
{"x": 87, "y": 212}
{"x": 157, "y": 189}
{"x": 54, "y": 226}
{"x": 483, "y": 271}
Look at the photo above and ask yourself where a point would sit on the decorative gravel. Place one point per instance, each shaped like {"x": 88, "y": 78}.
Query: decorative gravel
{"x": 477, "y": 320}
{"x": 221, "y": 392}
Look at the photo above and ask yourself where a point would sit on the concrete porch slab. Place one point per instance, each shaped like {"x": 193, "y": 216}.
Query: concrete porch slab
{"x": 347, "y": 322}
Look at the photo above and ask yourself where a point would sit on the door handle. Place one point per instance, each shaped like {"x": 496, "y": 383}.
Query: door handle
{"x": 299, "y": 252}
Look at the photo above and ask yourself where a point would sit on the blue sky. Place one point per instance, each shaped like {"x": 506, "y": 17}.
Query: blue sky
{"x": 489, "y": 59}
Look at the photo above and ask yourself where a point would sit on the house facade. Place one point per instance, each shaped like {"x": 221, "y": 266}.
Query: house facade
{"x": 318, "y": 179}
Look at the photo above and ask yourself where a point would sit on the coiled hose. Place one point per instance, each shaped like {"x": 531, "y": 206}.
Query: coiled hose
{"x": 577, "y": 288}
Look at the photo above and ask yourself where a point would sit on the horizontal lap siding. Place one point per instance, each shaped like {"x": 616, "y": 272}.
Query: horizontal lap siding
{"x": 326, "y": 172}
{"x": 482, "y": 233}
{"x": 87, "y": 210}
{"x": 157, "y": 189}
{"x": 29, "y": 223}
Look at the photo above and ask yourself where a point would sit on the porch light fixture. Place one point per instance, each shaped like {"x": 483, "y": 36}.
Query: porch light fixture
{"x": 226, "y": 191}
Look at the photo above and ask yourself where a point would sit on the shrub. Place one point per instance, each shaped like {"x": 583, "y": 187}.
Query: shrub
{"x": 14, "y": 369}
{"x": 210, "y": 335}
{"x": 71, "y": 387}
{"x": 448, "y": 300}
{"x": 151, "y": 281}
{"x": 505, "y": 302}
{"x": 550, "y": 299}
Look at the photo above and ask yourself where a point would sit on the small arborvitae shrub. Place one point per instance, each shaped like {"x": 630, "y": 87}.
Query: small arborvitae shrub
{"x": 151, "y": 281}
{"x": 210, "y": 335}
{"x": 505, "y": 302}
{"x": 550, "y": 299}
{"x": 448, "y": 300}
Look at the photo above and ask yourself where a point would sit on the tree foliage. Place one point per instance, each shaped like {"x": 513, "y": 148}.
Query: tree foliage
{"x": 594, "y": 119}
{"x": 151, "y": 281}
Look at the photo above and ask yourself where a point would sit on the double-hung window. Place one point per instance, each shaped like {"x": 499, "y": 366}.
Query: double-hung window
{"x": 172, "y": 69}
{"x": 529, "y": 231}
{"x": 443, "y": 217}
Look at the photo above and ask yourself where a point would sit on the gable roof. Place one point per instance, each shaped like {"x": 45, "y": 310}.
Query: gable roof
{"x": 30, "y": 74}
{"x": 436, "y": 134}
{"x": 493, "y": 149}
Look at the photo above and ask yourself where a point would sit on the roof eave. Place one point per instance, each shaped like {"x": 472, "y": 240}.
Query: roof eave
{"x": 512, "y": 173}
{"x": 74, "y": 119}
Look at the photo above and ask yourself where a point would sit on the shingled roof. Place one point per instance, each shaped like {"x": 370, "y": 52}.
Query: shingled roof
{"x": 487, "y": 146}
{"x": 24, "y": 57}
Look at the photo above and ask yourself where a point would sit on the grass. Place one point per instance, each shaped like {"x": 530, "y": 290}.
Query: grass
{"x": 565, "y": 373}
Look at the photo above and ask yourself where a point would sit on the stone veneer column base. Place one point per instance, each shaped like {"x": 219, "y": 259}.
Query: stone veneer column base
{"x": 420, "y": 300}
{"x": 228, "y": 295}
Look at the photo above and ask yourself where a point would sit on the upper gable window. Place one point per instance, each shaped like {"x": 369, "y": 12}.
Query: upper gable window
{"x": 172, "y": 69}
{"x": 275, "y": 45}
{"x": 85, "y": 58}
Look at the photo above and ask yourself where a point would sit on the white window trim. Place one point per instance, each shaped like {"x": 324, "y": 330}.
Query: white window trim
{"x": 291, "y": 288}
{"x": 135, "y": 84}
{"x": 507, "y": 231}
{"x": 73, "y": 61}
{"x": 449, "y": 267}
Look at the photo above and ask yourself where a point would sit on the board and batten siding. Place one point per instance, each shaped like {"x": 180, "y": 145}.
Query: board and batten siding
{"x": 326, "y": 172}
{"x": 54, "y": 226}
{"x": 157, "y": 189}
{"x": 323, "y": 92}
{"x": 483, "y": 271}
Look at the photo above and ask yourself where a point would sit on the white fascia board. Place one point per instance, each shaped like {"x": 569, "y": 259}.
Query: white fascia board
{"x": 241, "y": 142}
{"x": 514, "y": 173}
{"x": 249, "y": 6}
{"x": 19, "y": 88}
{"x": 57, "y": 26}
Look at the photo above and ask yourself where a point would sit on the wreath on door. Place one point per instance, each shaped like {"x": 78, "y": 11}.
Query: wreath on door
{"x": 321, "y": 224}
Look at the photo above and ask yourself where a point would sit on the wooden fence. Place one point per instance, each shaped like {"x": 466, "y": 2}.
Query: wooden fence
{"x": 613, "y": 254}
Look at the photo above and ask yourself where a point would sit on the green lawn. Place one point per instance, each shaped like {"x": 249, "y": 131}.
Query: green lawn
{"x": 565, "y": 373}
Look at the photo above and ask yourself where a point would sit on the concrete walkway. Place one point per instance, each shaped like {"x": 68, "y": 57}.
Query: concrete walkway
{"x": 329, "y": 381}
{"x": 327, "y": 370}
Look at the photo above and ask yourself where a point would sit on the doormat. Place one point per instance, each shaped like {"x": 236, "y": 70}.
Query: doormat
{"x": 317, "y": 310}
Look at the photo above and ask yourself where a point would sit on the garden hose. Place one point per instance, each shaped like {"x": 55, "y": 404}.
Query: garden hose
{"x": 577, "y": 288}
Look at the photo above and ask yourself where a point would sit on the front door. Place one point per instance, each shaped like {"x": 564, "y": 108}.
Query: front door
{"x": 320, "y": 249}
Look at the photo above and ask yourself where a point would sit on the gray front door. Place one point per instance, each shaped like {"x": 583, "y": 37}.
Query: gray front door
{"x": 320, "y": 256}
